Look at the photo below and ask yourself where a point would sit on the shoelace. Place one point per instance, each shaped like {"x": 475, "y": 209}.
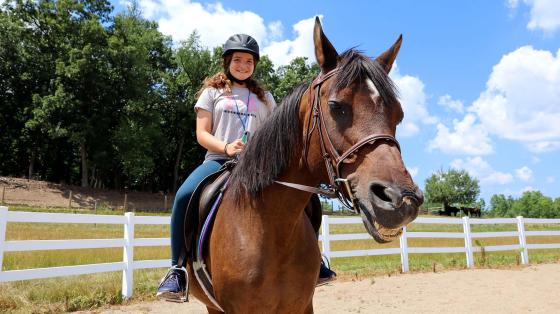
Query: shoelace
{"x": 169, "y": 278}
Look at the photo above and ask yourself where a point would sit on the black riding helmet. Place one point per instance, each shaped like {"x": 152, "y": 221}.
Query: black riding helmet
{"x": 242, "y": 42}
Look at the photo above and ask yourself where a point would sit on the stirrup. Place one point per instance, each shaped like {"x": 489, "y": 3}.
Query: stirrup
{"x": 180, "y": 296}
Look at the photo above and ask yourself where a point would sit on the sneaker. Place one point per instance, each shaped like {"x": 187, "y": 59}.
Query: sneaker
{"x": 325, "y": 274}
{"x": 172, "y": 285}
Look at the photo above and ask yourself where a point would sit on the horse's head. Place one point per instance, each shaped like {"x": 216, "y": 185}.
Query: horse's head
{"x": 360, "y": 113}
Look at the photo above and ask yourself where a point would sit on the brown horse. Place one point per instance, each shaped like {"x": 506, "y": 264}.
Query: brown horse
{"x": 338, "y": 133}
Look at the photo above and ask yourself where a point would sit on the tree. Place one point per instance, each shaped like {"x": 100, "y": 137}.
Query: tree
{"x": 292, "y": 75}
{"x": 556, "y": 207}
{"x": 265, "y": 73}
{"x": 500, "y": 205}
{"x": 452, "y": 186}
{"x": 191, "y": 65}
{"x": 15, "y": 90}
{"x": 533, "y": 204}
{"x": 530, "y": 204}
{"x": 73, "y": 34}
{"x": 140, "y": 56}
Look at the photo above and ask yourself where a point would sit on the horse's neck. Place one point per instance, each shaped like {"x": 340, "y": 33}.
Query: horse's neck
{"x": 280, "y": 206}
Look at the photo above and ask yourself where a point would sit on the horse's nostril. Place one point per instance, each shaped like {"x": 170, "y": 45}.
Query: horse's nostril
{"x": 379, "y": 191}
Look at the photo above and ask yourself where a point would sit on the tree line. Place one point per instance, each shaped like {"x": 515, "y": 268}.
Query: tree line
{"x": 530, "y": 204}
{"x": 458, "y": 188}
{"x": 103, "y": 99}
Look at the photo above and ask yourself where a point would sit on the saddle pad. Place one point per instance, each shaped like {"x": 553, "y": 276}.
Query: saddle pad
{"x": 193, "y": 217}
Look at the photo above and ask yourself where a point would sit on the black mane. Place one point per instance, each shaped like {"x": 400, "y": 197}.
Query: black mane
{"x": 272, "y": 147}
{"x": 279, "y": 139}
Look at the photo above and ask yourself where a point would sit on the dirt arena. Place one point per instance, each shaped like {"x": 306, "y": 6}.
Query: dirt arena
{"x": 532, "y": 289}
{"x": 47, "y": 194}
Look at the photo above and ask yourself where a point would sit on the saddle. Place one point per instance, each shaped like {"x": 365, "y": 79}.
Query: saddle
{"x": 201, "y": 203}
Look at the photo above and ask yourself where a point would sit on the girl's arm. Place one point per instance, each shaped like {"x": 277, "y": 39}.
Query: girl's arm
{"x": 205, "y": 138}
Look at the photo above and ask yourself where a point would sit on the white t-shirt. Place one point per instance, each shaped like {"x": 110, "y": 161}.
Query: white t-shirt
{"x": 233, "y": 114}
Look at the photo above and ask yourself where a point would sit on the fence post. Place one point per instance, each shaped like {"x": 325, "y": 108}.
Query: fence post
{"x": 128, "y": 254}
{"x": 325, "y": 242}
{"x": 522, "y": 240}
{"x": 3, "y": 222}
{"x": 404, "y": 251}
{"x": 468, "y": 241}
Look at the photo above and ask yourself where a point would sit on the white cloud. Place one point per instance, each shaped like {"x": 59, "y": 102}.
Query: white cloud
{"x": 479, "y": 168}
{"x": 512, "y": 4}
{"x": 413, "y": 171}
{"x": 522, "y": 99}
{"x": 524, "y": 173}
{"x": 544, "y": 146}
{"x": 544, "y": 15}
{"x": 282, "y": 52}
{"x": 413, "y": 101}
{"x": 449, "y": 103}
{"x": 550, "y": 179}
{"x": 149, "y": 7}
{"x": 467, "y": 137}
{"x": 214, "y": 24}
{"x": 407, "y": 128}
{"x": 527, "y": 189}
{"x": 275, "y": 29}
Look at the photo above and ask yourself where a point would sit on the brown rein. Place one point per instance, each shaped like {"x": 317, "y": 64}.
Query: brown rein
{"x": 338, "y": 187}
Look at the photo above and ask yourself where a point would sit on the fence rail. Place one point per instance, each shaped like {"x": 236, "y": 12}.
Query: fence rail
{"x": 405, "y": 250}
{"x": 129, "y": 242}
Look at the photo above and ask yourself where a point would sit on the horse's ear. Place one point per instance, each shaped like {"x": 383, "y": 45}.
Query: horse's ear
{"x": 325, "y": 53}
{"x": 387, "y": 58}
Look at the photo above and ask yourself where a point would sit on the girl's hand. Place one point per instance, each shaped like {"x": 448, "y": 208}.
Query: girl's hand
{"x": 234, "y": 148}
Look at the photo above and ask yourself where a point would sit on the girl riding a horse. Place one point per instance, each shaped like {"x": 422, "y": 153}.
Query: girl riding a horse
{"x": 231, "y": 105}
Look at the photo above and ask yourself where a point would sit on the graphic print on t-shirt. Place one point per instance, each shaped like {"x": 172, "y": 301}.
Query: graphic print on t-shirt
{"x": 229, "y": 104}
{"x": 252, "y": 105}
{"x": 236, "y": 106}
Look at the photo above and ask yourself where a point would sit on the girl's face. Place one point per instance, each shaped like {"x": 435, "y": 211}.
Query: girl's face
{"x": 242, "y": 65}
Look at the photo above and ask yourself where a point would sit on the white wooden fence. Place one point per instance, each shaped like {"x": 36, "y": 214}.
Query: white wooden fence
{"x": 128, "y": 242}
{"x": 127, "y": 266}
{"x": 404, "y": 250}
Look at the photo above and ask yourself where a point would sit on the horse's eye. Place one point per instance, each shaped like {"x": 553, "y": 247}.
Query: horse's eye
{"x": 337, "y": 107}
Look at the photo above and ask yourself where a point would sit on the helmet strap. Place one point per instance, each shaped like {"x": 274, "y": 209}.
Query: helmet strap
{"x": 234, "y": 79}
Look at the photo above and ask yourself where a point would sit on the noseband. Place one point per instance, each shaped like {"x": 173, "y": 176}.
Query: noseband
{"x": 338, "y": 187}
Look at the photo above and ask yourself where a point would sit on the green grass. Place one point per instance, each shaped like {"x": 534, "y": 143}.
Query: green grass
{"x": 65, "y": 294}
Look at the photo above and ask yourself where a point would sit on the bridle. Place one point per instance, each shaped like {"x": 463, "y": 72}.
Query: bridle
{"x": 338, "y": 187}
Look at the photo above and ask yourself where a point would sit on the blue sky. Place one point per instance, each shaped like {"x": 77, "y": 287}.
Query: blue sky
{"x": 479, "y": 80}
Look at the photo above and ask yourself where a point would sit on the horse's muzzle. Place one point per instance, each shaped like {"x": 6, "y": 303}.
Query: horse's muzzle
{"x": 394, "y": 206}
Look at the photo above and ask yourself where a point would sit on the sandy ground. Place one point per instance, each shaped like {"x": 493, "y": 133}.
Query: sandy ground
{"x": 532, "y": 289}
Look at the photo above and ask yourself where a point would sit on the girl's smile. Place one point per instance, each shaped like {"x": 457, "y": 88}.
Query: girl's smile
{"x": 242, "y": 65}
